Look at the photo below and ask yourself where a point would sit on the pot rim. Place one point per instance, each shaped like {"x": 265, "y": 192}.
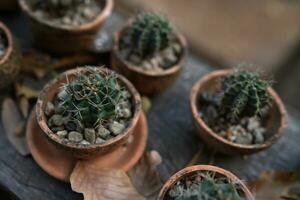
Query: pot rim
{"x": 194, "y": 108}
{"x": 42, "y": 120}
{"x": 10, "y": 41}
{"x": 188, "y": 170}
{"x": 178, "y": 66}
{"x": 105, "y": 12}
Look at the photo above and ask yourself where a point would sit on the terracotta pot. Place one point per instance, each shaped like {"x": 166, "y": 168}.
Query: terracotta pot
{"x": 63, "y": 40}
{"x": 146, "y": 82}
{"x": 189, "y": 171}
{"x": 8, "y": 5}
{"x": 49, "y": 93}
{"x": 10, "y": 61}
{"x": 275, "y": 125}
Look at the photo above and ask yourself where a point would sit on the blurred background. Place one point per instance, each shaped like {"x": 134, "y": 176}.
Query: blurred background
{"x": 227, "y": 33}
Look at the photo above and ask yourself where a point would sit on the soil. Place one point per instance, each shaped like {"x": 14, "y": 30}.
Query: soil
{"x": 189, "y": 184}
{"x": 164, "y": 60}
{"x": 247, "y": 131}
{"x": 66, "y": 13}
{"x": 3, "y": 44}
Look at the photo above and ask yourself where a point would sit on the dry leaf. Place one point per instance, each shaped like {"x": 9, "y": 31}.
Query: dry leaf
{"x": 102, "y": 184}
{"x": 146, "y": 104}
{"x": 276, "y": 185}
{"x": 145, "y": 177}
{"x": 28, "y": 92}
{"x": 24, "y": 106}
{"x": 36, "y": 64}
{"x": 14, "y": 124}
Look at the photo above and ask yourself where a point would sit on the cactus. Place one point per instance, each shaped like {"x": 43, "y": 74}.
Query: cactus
{"x": 150, "y": 33}
{"x": 245, "y": 95}
{"x": 91, "y": 98}
{"x": 206, "y": 189}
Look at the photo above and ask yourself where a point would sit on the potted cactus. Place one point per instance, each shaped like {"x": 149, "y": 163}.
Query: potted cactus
{"x": 204, "y": 182}
{"x": 66, "y": 26}
{"x": 88, "y": 111}
{"x": 237, "y": 111}
{"x": 10, "y": 56}
{"x": 149, "y": 51}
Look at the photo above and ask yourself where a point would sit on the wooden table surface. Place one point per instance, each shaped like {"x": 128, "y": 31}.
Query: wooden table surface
{"x": 171, "y": 133}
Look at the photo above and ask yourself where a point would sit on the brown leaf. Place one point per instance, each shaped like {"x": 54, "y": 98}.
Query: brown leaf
{"x": 24, "y": 106}
{"x": 276, "y": 185}
{"x": 145, "y": 177}
{"x": 14, "y": 126}
{"x": 102, "y": 184}
{"x": 26, "y": 91}
{"x": 146, "y": 104}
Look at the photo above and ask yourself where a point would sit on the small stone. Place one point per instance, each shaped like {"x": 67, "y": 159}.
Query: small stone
{"x": 239, "y": 135}
{"x": 253, "y": 123}
{"x": 84, "y": 142}
{"x": 75, "y": 136}
{"x": 56, "y": 120}
{"x": 169, "y": 55}
{"x": 135, "y": 59}
{"x": 103, "y": 132}
{"x": 62, "y": 133}
{"x": 49, "y": 110}
{"x": 116, "y": 127}
{"x": 123, "y": 112}
{"x": 74, "y": 125}
{"x": 146, "y": 65}
{"x": 126, "y": 94}
{"x": 66, "y": 20}
{"x": 99, "y": 140}
{"x": 244, "y": 139}
{"x": 90, "y": 135}
{"x": 57, "y": 128}
{"x": 258, "y": 136}
{"x": 88, "y": 12}
{"x": 177, "y": 48}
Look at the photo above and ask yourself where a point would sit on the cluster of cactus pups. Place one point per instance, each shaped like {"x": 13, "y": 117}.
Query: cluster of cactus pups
{"x": 90, "y": 109}
{"x": 150, "y": 42}
{"x": 204, "y": 186}
{"x": 237, "y": 113}
{"x": 66, "y": 12}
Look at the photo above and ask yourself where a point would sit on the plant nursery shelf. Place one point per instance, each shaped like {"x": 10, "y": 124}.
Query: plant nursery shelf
{"x": 171, "y": 133}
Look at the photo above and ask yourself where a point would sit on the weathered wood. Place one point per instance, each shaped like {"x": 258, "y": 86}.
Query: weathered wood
{"x": 171, "y": 133}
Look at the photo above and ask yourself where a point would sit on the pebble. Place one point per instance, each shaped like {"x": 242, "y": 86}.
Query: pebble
{"x": 146, "y": 65}
{"x": 123, "y": 112}
{"x": 169, "y": 55}
{"x": 239, "y": 135}
{"x": 75, "y": 136}
{"x": 90, "y": 135}
{"x": 57, "y": 128}
{"x": 62, "y": 133}
{"x": 253, "y": 124}
{"x": 177, "y": 48}
{"x": 99, "y": 140}
{"x": 49, "y": 110}
{"x": 84, "y": 142}
{"x": 116, "y": 128}
{"x": 103, "y": 132}
{"x": 56, "y": 120}
{"x": 258, "y": 136}
{"x": 135, "y": 59}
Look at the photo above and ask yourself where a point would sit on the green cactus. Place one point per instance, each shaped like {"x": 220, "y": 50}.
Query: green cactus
{"x": 150, "y": 33}
{"x": 91, "y": 98}
{"x": 207, "y": 188}
{"x": 245, "y": 95}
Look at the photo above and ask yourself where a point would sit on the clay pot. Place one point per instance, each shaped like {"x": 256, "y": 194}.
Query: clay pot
{"x": 146, "y": 82}
{"x": 84, "y": 152}
{"x": 10, "y": 61}
{"x": 8, "y": 5}
{"x": 275, "y": 125}
{"x": 190, "y": 171}
{"x": 63, "y": 40}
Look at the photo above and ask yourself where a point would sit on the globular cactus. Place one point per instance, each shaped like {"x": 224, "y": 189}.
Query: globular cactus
{"x": 208, "y": 188}
{"x": 91, "y": 98}
{"x": 150, "y": 33}
{"x": 245, "y": 95}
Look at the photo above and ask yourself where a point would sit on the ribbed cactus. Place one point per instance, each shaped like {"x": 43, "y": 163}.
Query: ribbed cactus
{"x": 150, "y": 33}
{"x": 207, "y": 189}
{"x": 245, "y": 94}
{"x": 91, "y": 98}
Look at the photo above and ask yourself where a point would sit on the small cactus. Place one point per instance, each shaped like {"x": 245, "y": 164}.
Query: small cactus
{"x": 206, "y": 189}
{"x": 150, "y": 33}
{"x": 91, "y": 98}
{"x": 245, "y": 95}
